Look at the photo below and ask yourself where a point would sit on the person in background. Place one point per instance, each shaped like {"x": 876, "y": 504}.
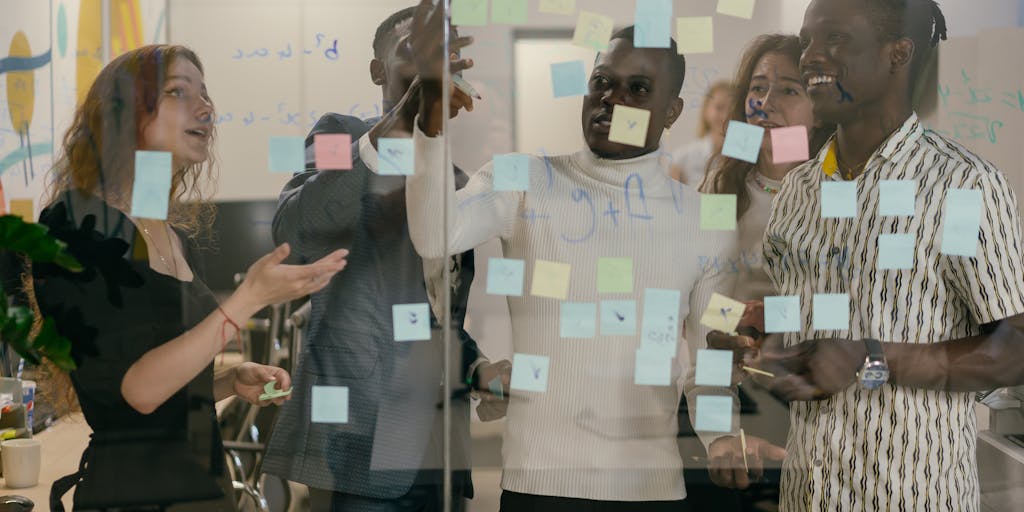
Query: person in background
{"x": 144, "y": 328}
{"x": 690, "y": 161}
{"x": 388, "y": 456}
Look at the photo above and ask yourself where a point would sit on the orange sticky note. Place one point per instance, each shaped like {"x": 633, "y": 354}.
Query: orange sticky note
{"x": 23, "y": 208}
{"x": 333, "y": 150}
{"x": 550, "y": 279}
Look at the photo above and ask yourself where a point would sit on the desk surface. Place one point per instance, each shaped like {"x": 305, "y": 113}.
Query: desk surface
{"x": 62, "y": 447}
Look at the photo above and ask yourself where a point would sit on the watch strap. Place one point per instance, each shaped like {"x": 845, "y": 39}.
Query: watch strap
{"x": 875, "y": 352}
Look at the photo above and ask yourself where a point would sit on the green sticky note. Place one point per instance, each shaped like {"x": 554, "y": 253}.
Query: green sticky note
{"x": 896, "y": 251}
{"x": 896, "y": 198}
{"x": 411, "y": 322}
{"x": 629, "y": 125}
{"x": 557, "y": 6}
{"x": 618, "y": 317}
{"x": 287, "y": 154}
{"x": 737, "y": 8}
{"x": 509, "y": 12}
{"x": 151, "y": 191}
{"x": 653, "y": 24}
{"x": 270, "y": 392}
{"x": 395, "y": 156}
{"x": 831, "y": 312}
{"x": 961, "y": 223}
{"x": 718, "y": 212}
{"x": 529, "y": 373}
{"x": 653, "y": 368}
{"x": 695, "y": 35}
{"x": 714, "y": 413}
{"x": 511, "y": 172}
{"x": 329, "y": 404}
{"x": 714, "y": 368}
{"x": 569, "y": 79}
{"x": 578, "y": 320}
{"x": 782, "y": 314}
{"x": 550, "y": 279}
{"x": 505, "y": 276}
{"x": 838, "y": 199}
{"x": 593, "y": 31}
{"x": 467, "y": 13}
{"x": 743, "y": 141}
{"x": 615, "y": 275}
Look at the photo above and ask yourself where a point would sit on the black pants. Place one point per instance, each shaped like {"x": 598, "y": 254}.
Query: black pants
{"x": 420, "y": 498}
{"x": 518, "y": 502}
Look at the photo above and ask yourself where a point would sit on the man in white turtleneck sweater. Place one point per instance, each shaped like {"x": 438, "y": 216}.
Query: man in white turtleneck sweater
{"x": 594, "y": 437}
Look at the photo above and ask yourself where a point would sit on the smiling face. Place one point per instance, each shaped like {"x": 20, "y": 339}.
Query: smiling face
{"x": 776, "y": 97}
{"x": 634, "y": 77}
{"x": 183, "y": 122}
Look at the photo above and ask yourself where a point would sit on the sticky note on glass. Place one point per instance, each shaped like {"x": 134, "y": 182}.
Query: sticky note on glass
{"x": 743, "y": 141}
{"x": 615, "y": 275}
{"x": 577, "y": 320}
{"x": 557, "y": 6}
{"x": 789, "y": 144}
{"x": 495, "y": 387}
{"x": 838, "y": 199}
{"x": 510, "y": 12}
{"x": 270, "y": 392}
{"x": 714, "y": 368}
{"x": 722, "y": 313}
{"x": 695, "y": 35}
{"x": 782, "y": 314}
{"x": 151, "y": 191}
{"x": 329, "y": 404}
{"x": 831, "y": 312}
{"x": 738, "y": 8}
{"x": 652, "y": 24}
{"x": 511, "y": 172}
{"x": 333, "y": 151}
{"x": 629, "y": 125}
{"x": 287, "y": 154}
{"x": 395, "y": 156}
{"x": 23, "y": 208}
{"x": 896, "y": 198}
{"x": 593, "y": 31}
{"x": 896, "y": 251}
{"x": 529, "y": 373}
{"x": 660, "y": 325}
{"x": 505, "y": 276}
{"x": 653, "y": 368}
{"x": 714, "y": 413}
{"x": 618, "y": 317}
{"x": 569, "y": 79}
{"x": 961, "y": 222}
{"x": 411, "y": 322}
{"x": 718, "y": 212}
{"x": 550, "y": 279}
{"x": 467, "y": 13}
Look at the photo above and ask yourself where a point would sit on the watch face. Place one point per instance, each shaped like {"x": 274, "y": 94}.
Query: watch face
{"x": 874, "y": 375}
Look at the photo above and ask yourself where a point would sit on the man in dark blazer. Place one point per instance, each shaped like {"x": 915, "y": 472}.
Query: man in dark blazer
{"x": 387, "y": 455}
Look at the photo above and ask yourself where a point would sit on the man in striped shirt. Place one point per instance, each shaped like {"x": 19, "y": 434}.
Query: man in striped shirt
{"x": 935, "y": 273}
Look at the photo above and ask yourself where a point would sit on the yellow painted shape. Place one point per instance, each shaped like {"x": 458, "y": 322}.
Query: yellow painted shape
{"x": 89, "y": 50}
{"x": 23, "y": 208}
{"x": 21, "y": 87}
{"x": 125, "y": 26}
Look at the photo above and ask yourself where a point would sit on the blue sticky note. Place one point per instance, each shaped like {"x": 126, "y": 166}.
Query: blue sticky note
{"x": 411, "y": 322}
{"x": 578, "y": 320}
{"x": 831, "y": 312}
{"x": 962, "y": 222}
{"x": 151, "y": 191}
{"x": 782, "y": 314}
{"x": 495, "y": 387}
{"x": 896, "y": 198}
{"x": 660, "y": 324}
{"x": 714, "y": 413}
{"x": 653, "y": 368}
{"x": 569, "y": 79}
{"x": 896, "y": 251}
{"x": 512, "y": 172}
{"x": 653, "y": 24}
{"x": 395, "y": 156}
{"x": 743, "y": 141}
{"x": 287, "y": 154}
{"x": 505, "y": 276}
{"x": 838, "y": 199}
{"x": 329, "y": 404}
{"x": 618, "y": 317}
{"x": 714, "y": 368}
{"x": 529, "y": 373}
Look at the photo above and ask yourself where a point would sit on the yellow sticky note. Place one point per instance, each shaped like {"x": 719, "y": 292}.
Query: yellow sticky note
{"x": 615, "y": 275}
{"x": 629, "y": 125}
{"x": 593, "y": 31}
{"x": 723, "y": 313}
{"x": 557, "y": 6}
{"x": 718, "y": 212}
{"x": 550, "y": 279}
{"x": 695, "y": 35}
{"x": 738, "y": 8}
{"x": 23, "y": 208}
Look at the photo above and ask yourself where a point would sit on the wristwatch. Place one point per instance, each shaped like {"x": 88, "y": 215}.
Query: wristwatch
{"x": 875, "y": 371}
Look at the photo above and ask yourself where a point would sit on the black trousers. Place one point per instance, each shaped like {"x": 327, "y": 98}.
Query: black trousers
{"x": 518, "y": 502}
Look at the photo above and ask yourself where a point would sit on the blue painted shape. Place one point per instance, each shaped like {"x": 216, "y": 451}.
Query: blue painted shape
{"x": 962, "y": 222}
{"x": 396, "y": 156}
{"x": 512, "y": 172}
{"x": 569, "y": 79}
{"x": 743, "y": 141}
{"x": 838, "y": 199}
{"x": 896, "y": 197}
{"x": 287, "y": 154}
{"x": 62, "y": 30}
{"x": 896, "y": 251}
{"x": 653, "y": 24}
{"x": 577, "y": 320}
{"x": 714, "y": 368}
{"x": 618, "y": 317}
{"x": 782, "y": 314}
{"x": 23, "y": 153}
{"x": 505, "y": 276}
{"x": 714, "y": 413}
{"x": 24, "y": 63}
{"x": 151, "y": 190}
{"x": 411, "y": 322}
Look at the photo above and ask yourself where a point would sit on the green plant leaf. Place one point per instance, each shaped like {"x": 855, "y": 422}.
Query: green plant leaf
{"x": 34, "y": 241}
{"x": 51, "y": 345}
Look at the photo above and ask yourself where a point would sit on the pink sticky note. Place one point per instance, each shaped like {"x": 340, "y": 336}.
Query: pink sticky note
{"x": 789, "y": 144}
{"x": 333, "y": 150}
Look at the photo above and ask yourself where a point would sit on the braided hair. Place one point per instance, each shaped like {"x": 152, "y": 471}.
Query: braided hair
{"x": 921, "y": 21}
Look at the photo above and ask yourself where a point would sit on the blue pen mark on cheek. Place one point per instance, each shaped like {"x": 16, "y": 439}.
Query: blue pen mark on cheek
{"x": 843, "y": 95}
{"x": 755, "y": 109}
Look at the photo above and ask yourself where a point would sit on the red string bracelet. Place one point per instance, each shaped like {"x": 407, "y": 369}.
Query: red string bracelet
{"x": 223, "y": 337}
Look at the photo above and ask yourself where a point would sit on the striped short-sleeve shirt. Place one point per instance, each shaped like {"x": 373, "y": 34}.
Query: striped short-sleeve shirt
{"x": 895, "y": 448}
